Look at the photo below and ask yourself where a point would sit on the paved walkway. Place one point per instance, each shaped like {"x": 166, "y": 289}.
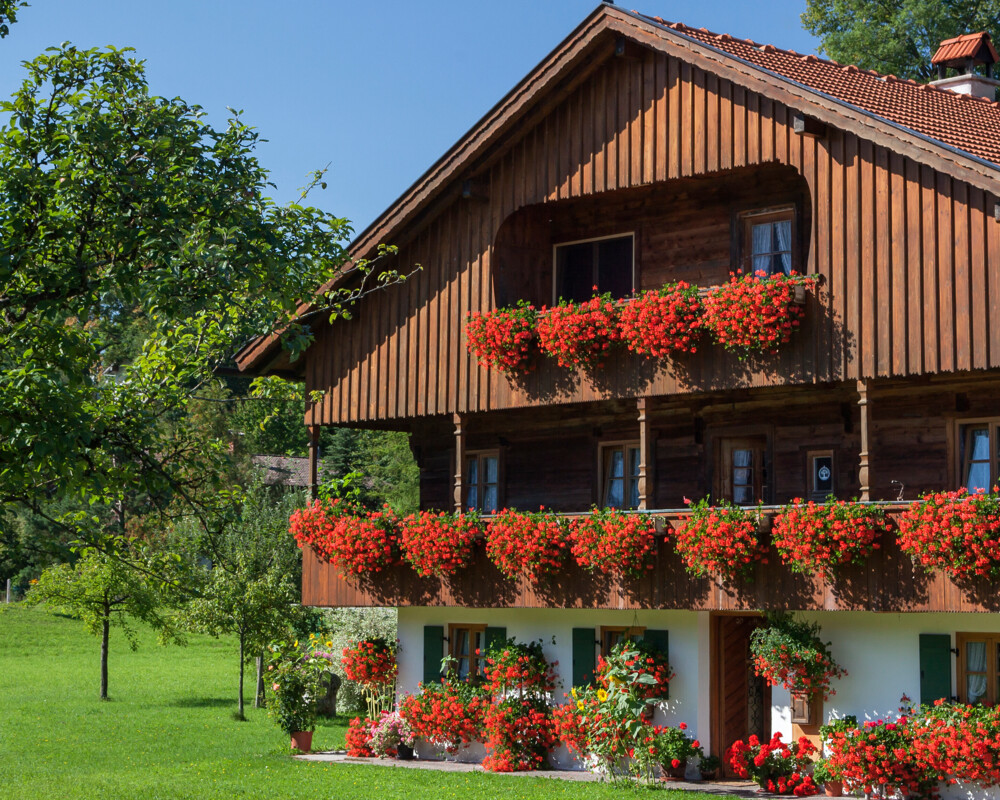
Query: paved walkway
{"x": 726, "y": 789}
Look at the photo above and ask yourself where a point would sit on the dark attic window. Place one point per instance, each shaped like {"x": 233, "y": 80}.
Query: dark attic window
{"x": 607, "y": 263}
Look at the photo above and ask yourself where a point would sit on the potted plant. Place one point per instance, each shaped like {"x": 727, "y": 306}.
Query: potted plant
{"x": 719, "y": 540}
{"x": 827, "y": 776}
{"x": 708, "y": 766}
{"x": 371, "y": 663}
{"x": 391, "y": 735}
{"x": 775, "y": 766}
{"x": 294, "y": 676}
{"x": 674, "y": 748}
{"x": 503, "y": 339}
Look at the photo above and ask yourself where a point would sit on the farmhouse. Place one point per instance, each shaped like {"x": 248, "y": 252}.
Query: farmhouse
{"x": 641, "y": 153}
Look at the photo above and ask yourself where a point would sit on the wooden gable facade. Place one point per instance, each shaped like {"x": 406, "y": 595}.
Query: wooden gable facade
{"x": 670, "y": 141}
{"x": 633, "y": 127}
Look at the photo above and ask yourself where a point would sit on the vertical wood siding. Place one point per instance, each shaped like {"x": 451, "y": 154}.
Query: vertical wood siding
{"x": 909, "y": 256}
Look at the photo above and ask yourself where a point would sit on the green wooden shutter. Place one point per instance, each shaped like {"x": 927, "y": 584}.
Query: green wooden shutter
{"x": 935, "y": 667}
{"x": 433, "y": 652}
{"x": 584, "y": 655}
{"x": 659, "y": 640}
{"x": 494, "y": 636}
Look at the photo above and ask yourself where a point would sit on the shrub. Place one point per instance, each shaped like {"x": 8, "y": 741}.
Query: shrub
{"x": 519, "y": 668}
{"x": 359, "y": 735}
{"x": 519, "y": 734}
{"x": 640, "y": 667}
{"x": 450, "y": 715}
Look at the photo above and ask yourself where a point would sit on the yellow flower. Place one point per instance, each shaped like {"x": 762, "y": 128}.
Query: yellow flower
{"x": 330, "y": 643}
{"x": 296, "y": 643}
{"x": 573, "y": 692}
{"x": 602, "y": 695}
{"x": 579, "y": 705}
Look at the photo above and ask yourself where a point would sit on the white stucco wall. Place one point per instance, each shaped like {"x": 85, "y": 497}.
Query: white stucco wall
{"x": 686, "y": 690}
{"x": 879, "y": 651}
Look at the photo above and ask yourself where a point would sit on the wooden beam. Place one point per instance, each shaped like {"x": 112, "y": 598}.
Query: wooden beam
{"x": 804, "y": 125}
{"x": 864, "y": 481}
{"x": 313, "y": 461}
{"x": 458, "y": 498}
{"x": 647, "y": 485}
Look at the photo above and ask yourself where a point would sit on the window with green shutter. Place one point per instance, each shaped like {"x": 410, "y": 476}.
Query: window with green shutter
{"x": 935, "y": 667}
{"x": 584, "y": 655}
{"x": 433, "y": 652}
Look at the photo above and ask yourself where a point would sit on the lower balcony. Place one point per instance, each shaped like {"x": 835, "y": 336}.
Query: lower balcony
{"x": 887, "y": 581}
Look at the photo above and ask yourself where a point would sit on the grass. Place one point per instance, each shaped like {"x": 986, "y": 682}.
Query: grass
{"x": 168, "y": 730}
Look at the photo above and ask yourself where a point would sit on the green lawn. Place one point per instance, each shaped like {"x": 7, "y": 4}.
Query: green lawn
{"x": 168, "y": 732}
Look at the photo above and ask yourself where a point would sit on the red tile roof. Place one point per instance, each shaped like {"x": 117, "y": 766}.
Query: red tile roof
{"x": 959, "y": 121}
{"x": 968, "y": 45}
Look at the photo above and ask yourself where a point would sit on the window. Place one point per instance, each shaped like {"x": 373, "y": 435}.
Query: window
{"x": 606, "y": 263}
{"x": 482, "y": 481}
{"x": 979, "y": 668}
{"x": 821, "y": 484}
{"x": 612, "y": 635}
{"x": 743, "y": 471}
{"x": 978, "y": 446}
{"x": 466, "y": 644}
{"x": 620, "y": 475}
{"x": 767, "y": 238}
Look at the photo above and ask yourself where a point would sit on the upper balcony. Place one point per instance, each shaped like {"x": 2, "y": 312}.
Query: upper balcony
{"x": 696, "y": 230}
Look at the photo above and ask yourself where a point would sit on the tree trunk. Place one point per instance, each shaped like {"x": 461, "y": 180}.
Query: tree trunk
{"x": 259, "y": 701}
{"x": 239, "y": 712}
{"x": 9, "y": 591}
{"x": 105, "y": 635}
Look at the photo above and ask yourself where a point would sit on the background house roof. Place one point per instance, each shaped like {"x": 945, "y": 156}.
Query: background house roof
{"x": 976, "y": 46}
{"x": 964, "y": 122}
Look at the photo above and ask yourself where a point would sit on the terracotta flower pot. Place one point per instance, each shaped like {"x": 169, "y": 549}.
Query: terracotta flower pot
{"x": 302, "y": 740}
{"x": 833, "y": 788}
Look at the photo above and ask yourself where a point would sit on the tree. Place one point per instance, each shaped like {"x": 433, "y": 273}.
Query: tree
{"x": 251, "y": 588}
{"x": 128, "y": 218}
{"x": 8, "y": 14}
{"x": 895, "y": 37}
{"x": 104, "y": 593}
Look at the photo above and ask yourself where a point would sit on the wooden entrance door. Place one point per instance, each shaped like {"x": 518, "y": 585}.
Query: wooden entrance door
{"x": 741, "y": 700}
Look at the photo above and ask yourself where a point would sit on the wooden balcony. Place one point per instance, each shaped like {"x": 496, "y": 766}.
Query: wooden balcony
{"x": 888, "y": 582}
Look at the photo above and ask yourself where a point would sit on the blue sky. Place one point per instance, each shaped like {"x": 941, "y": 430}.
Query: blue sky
{"x": 378, "y": 90}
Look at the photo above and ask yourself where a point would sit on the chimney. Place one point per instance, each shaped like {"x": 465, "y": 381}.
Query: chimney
{"x": 965, "y": 53}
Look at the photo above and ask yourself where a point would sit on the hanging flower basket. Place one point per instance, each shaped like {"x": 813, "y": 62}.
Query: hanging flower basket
{"x": 788, "y": 652}
{"x": 719, "y": 540}
{"x": 356, "y": 545}
{"x": 660, "y": 323}
{"x": 612, "y": 542}
{"x": 439, "y": 543}
{"x": 956, "y": 532}
{"x": 503, "y": 339}
{"x": 817, "y": 538}
{"x": 579, "y": 334}
{"x": 531, "y": 544}
{"x": 755, "y": 313}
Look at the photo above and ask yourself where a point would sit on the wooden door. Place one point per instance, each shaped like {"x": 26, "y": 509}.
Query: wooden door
{"x": 741, "y": 700}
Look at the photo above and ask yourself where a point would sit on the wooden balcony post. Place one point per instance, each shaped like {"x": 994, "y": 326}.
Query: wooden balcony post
{"x": 864, "y": 481}
{"x": 313, "y": 461}
{"x": 646, "y": 482}
{"x": 459, "y": 487}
